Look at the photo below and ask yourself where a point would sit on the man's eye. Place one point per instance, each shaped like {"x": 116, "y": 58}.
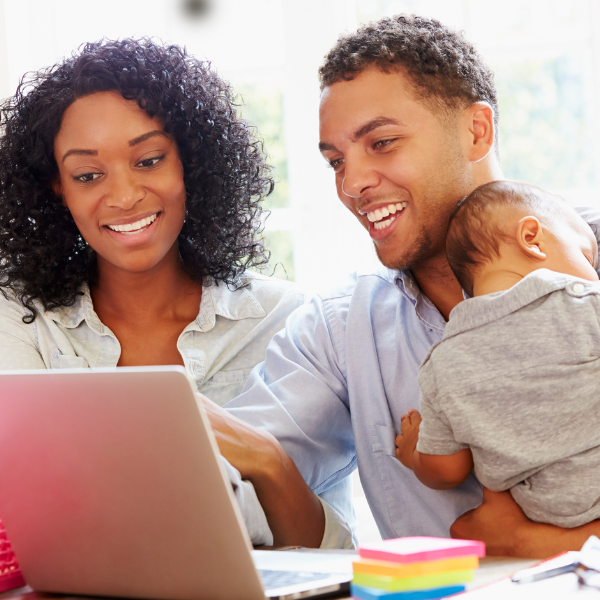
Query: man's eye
{"x": 383, "y": 143}
{"x": 336, "y": 164}
{"x": 87, "y": 177}
{"x": 150, "y": 162}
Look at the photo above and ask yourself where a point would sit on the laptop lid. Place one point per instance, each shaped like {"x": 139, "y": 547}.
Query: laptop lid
{"x": 112, "y": 486}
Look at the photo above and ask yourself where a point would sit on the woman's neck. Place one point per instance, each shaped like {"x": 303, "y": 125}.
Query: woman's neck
{"x": 163, "y": 292}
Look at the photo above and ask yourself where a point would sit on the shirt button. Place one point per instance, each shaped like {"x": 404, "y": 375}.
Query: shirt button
{"x": 578, "y": 288}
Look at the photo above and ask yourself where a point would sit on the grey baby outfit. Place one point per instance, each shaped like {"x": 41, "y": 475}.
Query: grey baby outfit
{"x": 516, "y": 378}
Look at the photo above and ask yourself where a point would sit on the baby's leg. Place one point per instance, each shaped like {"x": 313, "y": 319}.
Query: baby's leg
{"x": 406, "y": 442}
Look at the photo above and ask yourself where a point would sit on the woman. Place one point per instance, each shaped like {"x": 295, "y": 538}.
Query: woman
{"x": 129, "y": 215}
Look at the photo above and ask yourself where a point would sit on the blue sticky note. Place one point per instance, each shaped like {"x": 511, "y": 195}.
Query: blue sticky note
{"x": 368, "y": 593}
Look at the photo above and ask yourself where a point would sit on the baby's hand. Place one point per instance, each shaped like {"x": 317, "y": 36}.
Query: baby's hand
{"x": 406, "y": 442}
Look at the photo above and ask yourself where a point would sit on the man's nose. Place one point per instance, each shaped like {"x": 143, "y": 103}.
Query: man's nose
{"x": 125, "y": 189}
{"x": 359, "y": 175}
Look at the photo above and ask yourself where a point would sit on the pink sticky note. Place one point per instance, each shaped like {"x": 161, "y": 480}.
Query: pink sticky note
{"x": 420, "y": 549}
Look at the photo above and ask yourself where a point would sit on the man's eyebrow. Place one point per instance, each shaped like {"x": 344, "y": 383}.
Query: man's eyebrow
{"x": 374, "y": 124}
{"x": 146, "y": 136}
{"x": 324, "y": 147}
{"x": 79, "y": 152}
{"x": 363, "y": 130}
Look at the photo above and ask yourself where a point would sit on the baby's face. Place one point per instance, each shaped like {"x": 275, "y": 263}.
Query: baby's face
{"x": 572, "y": 249}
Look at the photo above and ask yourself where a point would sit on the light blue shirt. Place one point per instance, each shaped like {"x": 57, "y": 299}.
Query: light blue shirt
{"x": 333, "y": 388}
{"x": 334, "y": 385}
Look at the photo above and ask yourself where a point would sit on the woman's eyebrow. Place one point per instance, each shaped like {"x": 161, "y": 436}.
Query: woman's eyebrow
{"x": 79, "y": 153}
{"x": 146, "y": 136}
{"x": 133, "y": 142}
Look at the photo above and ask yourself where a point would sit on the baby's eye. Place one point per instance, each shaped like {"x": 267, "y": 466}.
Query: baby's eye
{"x": 87, "y": 177}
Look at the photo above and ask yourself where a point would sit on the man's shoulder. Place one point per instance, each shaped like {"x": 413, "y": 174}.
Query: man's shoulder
{"x": 358, "y": 282}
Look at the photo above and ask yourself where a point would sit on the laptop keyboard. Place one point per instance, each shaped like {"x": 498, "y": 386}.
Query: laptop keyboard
{"x": 277, "y": 579}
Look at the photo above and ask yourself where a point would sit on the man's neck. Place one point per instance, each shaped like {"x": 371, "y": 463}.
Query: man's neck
{"x": 438, "y": 283}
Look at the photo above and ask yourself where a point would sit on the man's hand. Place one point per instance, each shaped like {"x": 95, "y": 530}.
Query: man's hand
{"x": 506, "y": 531}
{"x": 406, "y": 442}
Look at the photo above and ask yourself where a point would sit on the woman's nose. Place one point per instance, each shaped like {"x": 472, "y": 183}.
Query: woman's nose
{"x": 125, "y": 189}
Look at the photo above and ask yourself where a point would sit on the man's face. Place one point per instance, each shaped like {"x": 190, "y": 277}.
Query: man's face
{"x": 399, "y": 167}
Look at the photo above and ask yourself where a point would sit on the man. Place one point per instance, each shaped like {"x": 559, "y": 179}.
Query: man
{"x": 407, "y": 122}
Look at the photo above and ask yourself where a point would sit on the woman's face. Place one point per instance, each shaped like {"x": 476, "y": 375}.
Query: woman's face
{"x": 121, "y": 177}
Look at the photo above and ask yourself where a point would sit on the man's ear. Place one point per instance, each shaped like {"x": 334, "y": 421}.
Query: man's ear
{"x": 530, "y": 238}
{"x": 479, "y": 130}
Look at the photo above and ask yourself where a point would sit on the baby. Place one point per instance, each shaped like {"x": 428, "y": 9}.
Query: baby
{"x": 513, "y": 388}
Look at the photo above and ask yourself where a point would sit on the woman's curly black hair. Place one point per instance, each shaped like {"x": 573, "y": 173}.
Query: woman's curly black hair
{"x": 42, "y": 254}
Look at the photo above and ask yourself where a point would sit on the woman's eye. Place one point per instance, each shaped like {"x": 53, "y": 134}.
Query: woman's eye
{"x": 87, "y": 177}
{"x": 150, "y": 162}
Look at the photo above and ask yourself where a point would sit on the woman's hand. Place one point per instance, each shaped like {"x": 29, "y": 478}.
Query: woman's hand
{"x": 295, "y": 515}
{"x": 506, "y": 531}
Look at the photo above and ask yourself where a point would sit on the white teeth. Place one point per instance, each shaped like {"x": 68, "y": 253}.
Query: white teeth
{"x": 134, "y": 227}
{"x": 383, "y": 224}
{"x": 385, "y": 211}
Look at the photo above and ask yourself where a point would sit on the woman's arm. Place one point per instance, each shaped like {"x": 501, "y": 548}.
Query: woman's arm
{"x": 506, "y": 531}
{"x": 295, "y": 515}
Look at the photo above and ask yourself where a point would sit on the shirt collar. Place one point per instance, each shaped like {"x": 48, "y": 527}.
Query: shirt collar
{"x": 234, "y": 304}
{"x": 407, "y": 285}
{"x": 478, "y": 311}
{"x": 81, "y": 310}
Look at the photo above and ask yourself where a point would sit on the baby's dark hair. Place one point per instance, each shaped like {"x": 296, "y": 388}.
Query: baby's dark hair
{"x": 475, "y": 232}
{"x": 42, "y": 254}
{"x": 443, "y": 66}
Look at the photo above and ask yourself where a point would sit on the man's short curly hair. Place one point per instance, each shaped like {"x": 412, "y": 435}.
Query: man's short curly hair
{"x": 42, "y": 254}
{"x": 444, "y": 68}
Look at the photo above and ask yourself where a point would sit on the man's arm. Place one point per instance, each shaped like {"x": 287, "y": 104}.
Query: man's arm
{"x": 506, "y": 531}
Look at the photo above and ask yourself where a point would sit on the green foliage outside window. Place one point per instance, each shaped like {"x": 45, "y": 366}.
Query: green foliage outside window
{"x": 262, "y": 105}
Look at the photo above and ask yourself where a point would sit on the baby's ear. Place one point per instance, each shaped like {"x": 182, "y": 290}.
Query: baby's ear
{"x": 530, "y": 236}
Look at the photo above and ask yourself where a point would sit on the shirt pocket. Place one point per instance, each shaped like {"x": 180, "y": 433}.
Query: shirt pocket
{"x": 225, "y": 385}
{"x": 58, "y": 360}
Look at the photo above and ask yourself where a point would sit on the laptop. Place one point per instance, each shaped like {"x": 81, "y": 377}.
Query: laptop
{"x": 112, "y": 485}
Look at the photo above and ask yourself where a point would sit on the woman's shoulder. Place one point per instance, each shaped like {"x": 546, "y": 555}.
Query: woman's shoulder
{"x": 261, "y": 293}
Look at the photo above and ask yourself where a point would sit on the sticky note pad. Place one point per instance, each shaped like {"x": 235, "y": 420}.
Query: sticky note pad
{"x": 418, "y": 569}
{"x": 418, "y": 549}
{"x": 413, "y": 583}
{"x": 367, "y": 593}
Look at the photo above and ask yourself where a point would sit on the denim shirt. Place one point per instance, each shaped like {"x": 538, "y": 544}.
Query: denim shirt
{"x": 219, "y": 348}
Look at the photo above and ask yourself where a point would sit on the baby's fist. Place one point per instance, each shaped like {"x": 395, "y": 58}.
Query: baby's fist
{"x": 406, "y": 442}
